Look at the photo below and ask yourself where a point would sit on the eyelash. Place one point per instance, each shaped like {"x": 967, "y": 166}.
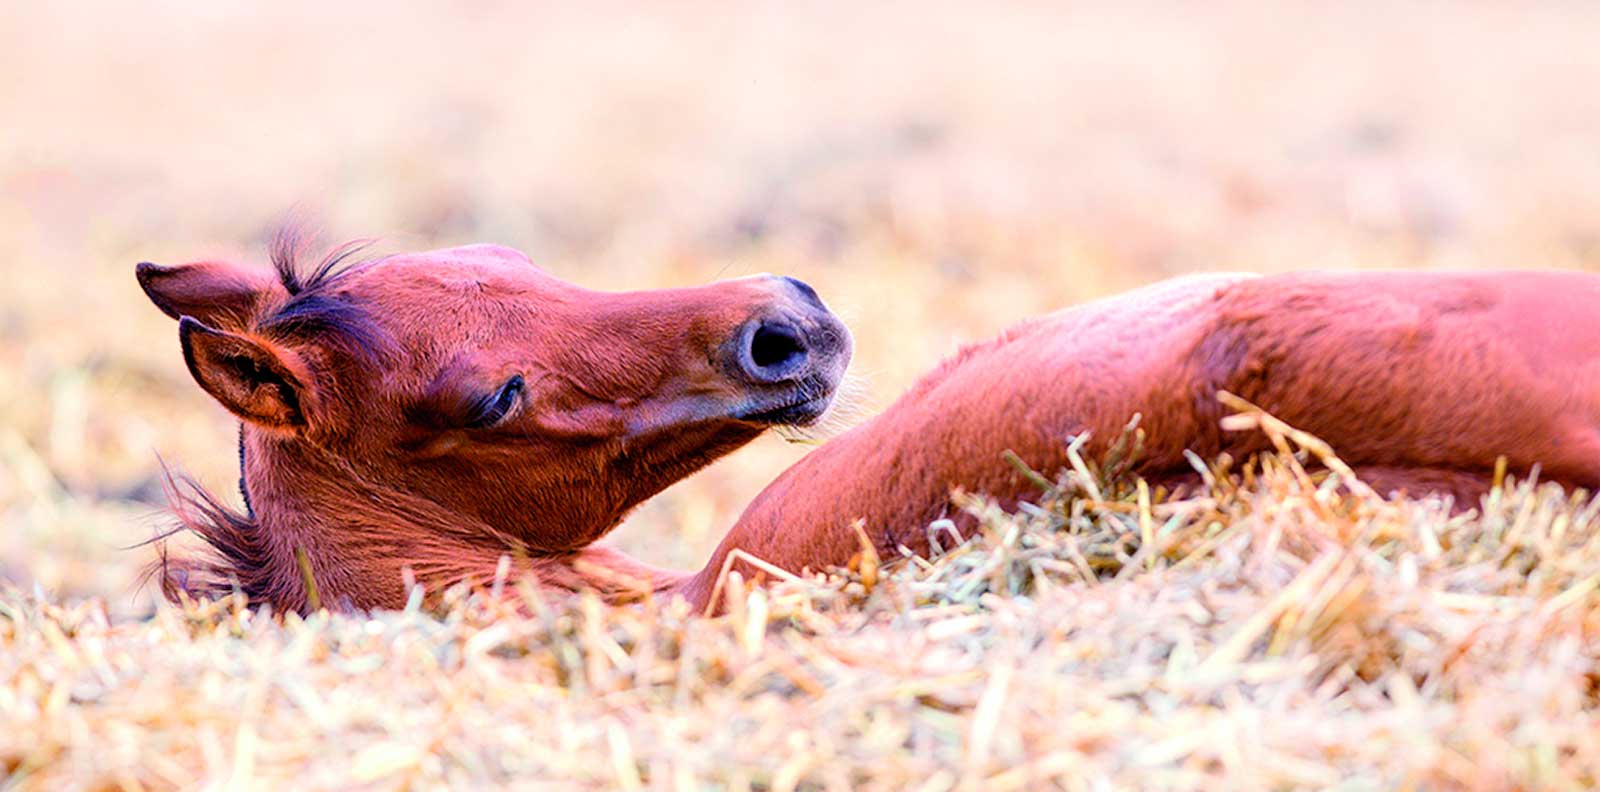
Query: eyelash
{"x": 493, "y": 409}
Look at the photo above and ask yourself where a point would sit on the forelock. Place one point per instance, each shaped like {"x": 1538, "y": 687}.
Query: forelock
{"x": 318, "y": 311}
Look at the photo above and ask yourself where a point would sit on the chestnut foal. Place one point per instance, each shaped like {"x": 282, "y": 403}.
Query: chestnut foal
{"x": 436, "y": 411}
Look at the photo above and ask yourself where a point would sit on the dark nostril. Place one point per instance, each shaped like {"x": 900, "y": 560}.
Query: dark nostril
{"x": 775, "y": 347}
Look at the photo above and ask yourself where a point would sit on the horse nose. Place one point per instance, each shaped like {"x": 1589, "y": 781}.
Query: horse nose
{"x": 773, "y": 351}
{"x": 790, "y": 337}
{"x": 808, "y": 294}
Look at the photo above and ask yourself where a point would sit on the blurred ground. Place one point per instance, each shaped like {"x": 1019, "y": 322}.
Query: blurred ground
{"x": 936, "y": 171}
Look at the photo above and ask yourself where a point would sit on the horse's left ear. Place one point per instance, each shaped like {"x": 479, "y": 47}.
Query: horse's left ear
{"x": 259, "y": 381}
{"x": 221, "y": 295}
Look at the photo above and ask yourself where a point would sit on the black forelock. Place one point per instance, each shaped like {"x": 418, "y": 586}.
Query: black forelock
{"x": 289, "y": 242}
{"x": 317, "y": 311}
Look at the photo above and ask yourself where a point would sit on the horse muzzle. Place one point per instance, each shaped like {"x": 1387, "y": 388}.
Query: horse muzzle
{"x": 790, "y": 357}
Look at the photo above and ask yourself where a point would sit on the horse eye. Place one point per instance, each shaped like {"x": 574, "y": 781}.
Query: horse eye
{"x": 492, "y": 409}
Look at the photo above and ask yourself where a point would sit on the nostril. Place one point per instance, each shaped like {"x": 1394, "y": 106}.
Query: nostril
{"x": 775, "y": 346}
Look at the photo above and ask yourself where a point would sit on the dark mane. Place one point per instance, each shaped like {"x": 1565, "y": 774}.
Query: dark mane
{"x": 239, "y": 559}
{"x": 288, "y": 242}
{"x": 317, "y": 311}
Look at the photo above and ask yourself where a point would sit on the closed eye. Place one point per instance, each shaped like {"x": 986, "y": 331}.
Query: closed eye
{"x": 494, "y": 408}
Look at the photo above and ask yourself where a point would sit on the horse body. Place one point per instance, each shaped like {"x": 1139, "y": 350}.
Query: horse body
{"x": 436, "y": 412}
{"x": 1419, "y": 380}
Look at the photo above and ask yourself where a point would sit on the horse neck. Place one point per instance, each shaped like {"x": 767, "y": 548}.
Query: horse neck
{"x": 359, "y": 538}
{"x": 354, "y": 537}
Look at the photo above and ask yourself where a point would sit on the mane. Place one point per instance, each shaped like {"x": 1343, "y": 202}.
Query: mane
{"x": 237, "y": 559}
{"x": 285, "y": 249}
{"x": 318, "y": 310}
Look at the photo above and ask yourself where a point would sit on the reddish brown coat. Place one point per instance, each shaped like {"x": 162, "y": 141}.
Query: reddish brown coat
{"x": 364, "y": 397}
{"x": 1420, "y": 380}
{"x": 436, "y": 411}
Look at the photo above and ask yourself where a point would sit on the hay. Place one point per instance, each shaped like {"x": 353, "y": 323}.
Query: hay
{"x": 1284, "y": 628}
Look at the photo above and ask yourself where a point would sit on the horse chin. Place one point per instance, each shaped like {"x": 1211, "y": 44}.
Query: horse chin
{"x": 799, "y": 404}
{"x": 797, "y": 414}
{"x": 841, "y": 410}
{"x": 798, "y": 407}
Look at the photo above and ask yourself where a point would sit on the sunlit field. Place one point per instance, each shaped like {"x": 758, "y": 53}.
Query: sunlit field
{"x": 937, "y": 173}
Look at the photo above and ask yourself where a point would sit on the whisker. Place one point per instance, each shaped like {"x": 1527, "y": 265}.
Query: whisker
{"x": 852, "y": 402}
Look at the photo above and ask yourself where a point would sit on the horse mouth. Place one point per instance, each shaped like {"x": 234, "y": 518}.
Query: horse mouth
{"x": 795, "y": 413}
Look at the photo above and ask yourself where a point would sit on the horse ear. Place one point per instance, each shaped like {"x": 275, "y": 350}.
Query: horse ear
{"x": 258, "y": 381}
{"x": 221, "y": 295}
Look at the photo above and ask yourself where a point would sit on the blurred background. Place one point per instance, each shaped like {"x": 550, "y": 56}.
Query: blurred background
{"x": 936, "y": 171}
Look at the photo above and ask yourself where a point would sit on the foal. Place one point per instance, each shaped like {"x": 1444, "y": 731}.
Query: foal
{"x": 436, "y": 411}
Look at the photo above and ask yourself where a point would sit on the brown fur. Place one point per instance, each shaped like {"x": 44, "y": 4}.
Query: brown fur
{"x": 1420, "y": 380}
{"x": 364, "y": 392}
